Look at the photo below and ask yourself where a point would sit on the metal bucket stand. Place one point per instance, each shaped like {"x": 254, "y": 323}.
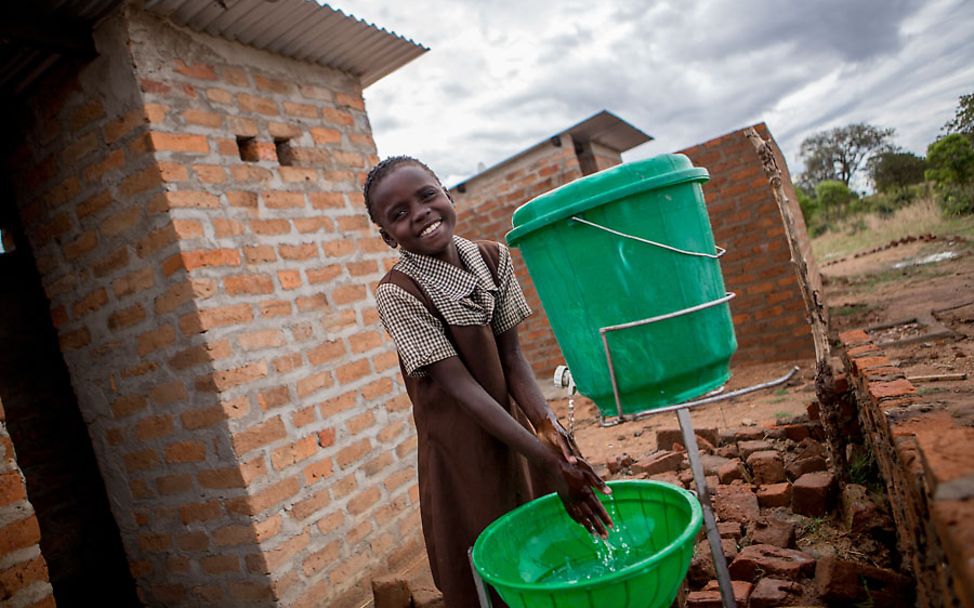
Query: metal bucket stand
{"x": 563, "y": 378}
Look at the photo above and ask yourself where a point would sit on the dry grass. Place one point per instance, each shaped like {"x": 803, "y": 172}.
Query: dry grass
{"x": 868, "y": 231}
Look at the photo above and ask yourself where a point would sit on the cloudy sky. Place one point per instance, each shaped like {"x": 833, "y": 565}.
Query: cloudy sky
{"x": 502, "y": 75}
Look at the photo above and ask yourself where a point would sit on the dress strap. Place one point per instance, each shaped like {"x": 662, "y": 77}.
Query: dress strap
{"x": 490, "y": 251}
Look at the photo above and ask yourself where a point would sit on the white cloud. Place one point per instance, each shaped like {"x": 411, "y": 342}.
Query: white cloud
{"x": 502, "y": 75}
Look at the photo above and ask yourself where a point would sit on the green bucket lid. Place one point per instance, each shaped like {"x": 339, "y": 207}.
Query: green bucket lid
{"x": 602, "y": 187}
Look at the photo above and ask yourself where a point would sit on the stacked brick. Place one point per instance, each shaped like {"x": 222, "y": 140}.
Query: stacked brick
{"x": 923, "y": 454}
{"x": 769, "y": 313}
{"x": 485, "y": 204}
{"x": 196, "y": 217}
{"x": 23, "y": 571}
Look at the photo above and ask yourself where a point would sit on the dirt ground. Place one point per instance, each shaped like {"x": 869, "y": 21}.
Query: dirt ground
{"x": 907, "y": 282}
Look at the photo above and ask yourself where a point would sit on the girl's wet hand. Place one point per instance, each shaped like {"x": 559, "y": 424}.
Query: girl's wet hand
{"x": 580, "y": 500}
{"x": 554, "y": 436}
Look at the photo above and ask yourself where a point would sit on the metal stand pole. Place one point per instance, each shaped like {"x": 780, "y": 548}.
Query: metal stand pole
{"x": 478, "y": 582}
{"x": 713, "y": 536}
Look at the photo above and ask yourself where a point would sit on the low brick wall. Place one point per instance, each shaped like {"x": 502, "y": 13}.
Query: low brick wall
{"x": 925, "y": 458}
{"x": 23, "y": 570}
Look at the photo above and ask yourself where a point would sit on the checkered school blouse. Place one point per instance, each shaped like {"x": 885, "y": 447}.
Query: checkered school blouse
{"x": 464, "y": 296}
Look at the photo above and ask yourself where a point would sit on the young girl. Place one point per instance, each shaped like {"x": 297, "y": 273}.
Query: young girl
{"x": 452, "y": 307}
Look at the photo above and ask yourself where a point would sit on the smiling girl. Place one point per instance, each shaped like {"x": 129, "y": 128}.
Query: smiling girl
{"x": 452, "y": 307}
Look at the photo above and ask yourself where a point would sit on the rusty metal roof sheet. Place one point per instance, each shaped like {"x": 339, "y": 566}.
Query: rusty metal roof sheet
{"x": 609, "y": 130}
{"x": 301, "y": 29}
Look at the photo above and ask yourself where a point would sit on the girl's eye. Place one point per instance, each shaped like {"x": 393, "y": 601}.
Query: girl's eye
{"x": 428, "y": 194}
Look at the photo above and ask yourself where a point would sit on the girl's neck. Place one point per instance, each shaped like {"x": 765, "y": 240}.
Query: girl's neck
{"x": 450, "y": 255}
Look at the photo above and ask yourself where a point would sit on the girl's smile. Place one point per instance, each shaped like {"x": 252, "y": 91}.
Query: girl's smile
{"x": 428, "y": 231}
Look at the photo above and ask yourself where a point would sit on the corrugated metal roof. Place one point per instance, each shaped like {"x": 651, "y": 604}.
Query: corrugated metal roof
{"x": 609, "y": 130}
{"x": 301, "y": 29}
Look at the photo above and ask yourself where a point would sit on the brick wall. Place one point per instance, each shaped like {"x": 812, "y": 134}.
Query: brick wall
{"x": 923, "y": 453}
{"x": 215, "y": 315}
{"x": 768, "y": 313}
{"x": 23, "y": 571}
{"x": 484, "y": 209}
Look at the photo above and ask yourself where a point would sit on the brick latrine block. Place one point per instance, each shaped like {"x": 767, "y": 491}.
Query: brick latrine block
{"x": 924, "y": 457}
{"x": 214, "y": 309}
{"x": 23, "y": 570}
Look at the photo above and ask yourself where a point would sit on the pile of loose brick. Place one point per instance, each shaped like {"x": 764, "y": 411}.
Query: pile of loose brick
{"x": 406, "y": 592}
{"x": 771, "y": 489}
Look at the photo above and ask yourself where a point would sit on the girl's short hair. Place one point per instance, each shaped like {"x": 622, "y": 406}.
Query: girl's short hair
{"x": 384, "y": 168}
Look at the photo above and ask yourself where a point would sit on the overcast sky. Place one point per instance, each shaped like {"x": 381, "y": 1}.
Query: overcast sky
{"x": 502, "y": 75}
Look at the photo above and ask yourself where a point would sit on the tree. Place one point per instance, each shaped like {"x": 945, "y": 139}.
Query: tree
{"x": 951, "y": 162}
{"x": 963, "y": 121}
{"x": 837, "y": 154}
{"x": 833, "y": 198}
{"x": 895, "y": 170}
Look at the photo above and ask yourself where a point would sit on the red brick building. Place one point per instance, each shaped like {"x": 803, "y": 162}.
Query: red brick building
{"x": 194, "y": 378}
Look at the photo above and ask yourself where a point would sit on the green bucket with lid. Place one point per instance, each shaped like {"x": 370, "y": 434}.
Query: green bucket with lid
{"x": 625, "y": 264}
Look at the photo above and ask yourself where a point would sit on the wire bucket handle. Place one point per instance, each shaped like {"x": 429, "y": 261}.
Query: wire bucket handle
{"x": 603, "y": 331}
{"x": 720, "y": 250}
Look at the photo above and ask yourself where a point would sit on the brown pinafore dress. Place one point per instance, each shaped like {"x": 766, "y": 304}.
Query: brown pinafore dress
{"x": 467, "y": 478}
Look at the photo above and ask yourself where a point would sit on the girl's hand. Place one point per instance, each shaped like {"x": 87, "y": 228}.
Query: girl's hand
{"x": 577, "y": 477}
{"x": 575, "y": 490}
{"x": 554, "y": 437}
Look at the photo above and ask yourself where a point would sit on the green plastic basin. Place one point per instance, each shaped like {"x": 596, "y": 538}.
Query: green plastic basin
{"x": 536, "y": 556}
{"x": 602, "y": 273}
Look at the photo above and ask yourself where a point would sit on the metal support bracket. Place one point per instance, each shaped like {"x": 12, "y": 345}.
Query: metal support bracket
{"x": 607, "y": 421}
{"x": 482, "y": 596}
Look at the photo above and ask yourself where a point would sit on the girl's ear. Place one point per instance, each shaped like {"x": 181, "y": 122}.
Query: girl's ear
{"x": 388, "y": 238}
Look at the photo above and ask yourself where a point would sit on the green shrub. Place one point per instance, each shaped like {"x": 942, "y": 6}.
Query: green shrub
{"x": 951, "y": 167}
{"x": 834, "y": 199}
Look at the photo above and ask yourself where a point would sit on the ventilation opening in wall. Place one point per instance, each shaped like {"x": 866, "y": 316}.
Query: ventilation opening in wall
{"x": 247, "y": 146}
{"x": 6, "y": 241}
{"x": 284, "y": 154}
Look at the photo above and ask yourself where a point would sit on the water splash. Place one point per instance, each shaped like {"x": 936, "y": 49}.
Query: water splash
{"x": 608, "y": 555}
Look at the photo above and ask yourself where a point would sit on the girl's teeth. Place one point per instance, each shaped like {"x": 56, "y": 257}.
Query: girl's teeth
{"x": 430, "y": 229}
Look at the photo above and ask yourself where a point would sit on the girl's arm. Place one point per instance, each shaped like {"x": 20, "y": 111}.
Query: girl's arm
{"x": 572, "y": 480}
{"x": 452, "y": 375}
{"x": 525, "y": 390}
{"x": 520, "y": 379}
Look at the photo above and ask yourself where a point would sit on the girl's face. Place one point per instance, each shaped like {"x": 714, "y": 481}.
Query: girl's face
{"x": 414, "y": 211}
